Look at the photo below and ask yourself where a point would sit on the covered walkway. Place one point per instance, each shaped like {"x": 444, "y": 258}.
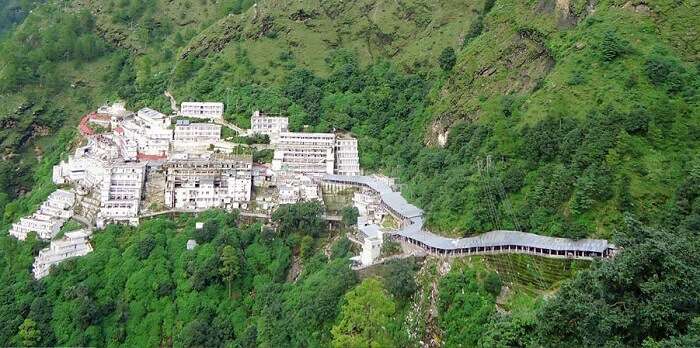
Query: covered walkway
{"x": 494, "y": 242}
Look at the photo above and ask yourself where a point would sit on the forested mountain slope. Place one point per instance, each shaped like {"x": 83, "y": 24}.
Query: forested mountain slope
{"x": 566, "y": 118}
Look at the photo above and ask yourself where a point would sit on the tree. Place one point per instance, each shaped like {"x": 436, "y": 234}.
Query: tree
{"x": 612, "y": 46}
{"x": 305, "y": 218}
{"x": 493, "y": 283}
{"x": 648, "y": 291}
{"x": 349, "y": 215}
{"x": 400, "y": 278}
{"x": 447, "y": 59}
{"x": 29, "y": 333}
{"x": 364, "y": 317}
{"x": 207, "y": 232}
{"x": 230, "y": 265}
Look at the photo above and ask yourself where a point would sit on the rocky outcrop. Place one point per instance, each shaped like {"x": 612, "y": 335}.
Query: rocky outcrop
{"x": 519, "y": 67}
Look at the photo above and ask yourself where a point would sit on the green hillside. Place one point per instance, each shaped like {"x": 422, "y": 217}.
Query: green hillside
{"x": 564, "y": 118}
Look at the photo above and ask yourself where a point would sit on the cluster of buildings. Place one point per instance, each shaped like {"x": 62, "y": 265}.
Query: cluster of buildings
{"x": 72, "y": 244}
{"x": 127, "y": 157}
{"x": 48, "y": 219}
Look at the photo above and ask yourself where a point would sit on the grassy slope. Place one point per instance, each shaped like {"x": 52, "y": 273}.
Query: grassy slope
{"x": 537, "y": 70}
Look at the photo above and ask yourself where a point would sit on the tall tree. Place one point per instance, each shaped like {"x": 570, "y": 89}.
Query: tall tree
{"x": 29, "y": 333}
{"x": 364, "y": 317}
{"x": 230, "y": 265}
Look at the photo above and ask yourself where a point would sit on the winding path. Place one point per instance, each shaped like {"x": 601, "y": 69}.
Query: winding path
{"x": 494, "y": 242}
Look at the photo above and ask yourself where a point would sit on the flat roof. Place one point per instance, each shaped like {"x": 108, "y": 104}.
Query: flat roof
{"x": 202, "y": 103}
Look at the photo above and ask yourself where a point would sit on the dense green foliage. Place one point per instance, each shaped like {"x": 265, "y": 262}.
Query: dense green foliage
{"x": 569, "y": 122}
{"x": 141, "y": 287}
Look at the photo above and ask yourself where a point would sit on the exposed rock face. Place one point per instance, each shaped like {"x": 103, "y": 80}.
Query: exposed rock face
{"x": 519, "y": 67}
{"x": 637, "y": 7}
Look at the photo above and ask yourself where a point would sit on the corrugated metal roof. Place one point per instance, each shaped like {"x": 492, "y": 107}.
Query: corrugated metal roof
{"x": 501, "y": 238}
{"x": 392, "y": 199}
{"x": 414, "y": 226}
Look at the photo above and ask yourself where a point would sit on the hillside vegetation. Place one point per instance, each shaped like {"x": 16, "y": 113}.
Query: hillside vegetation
{"x": 564, "y": 118}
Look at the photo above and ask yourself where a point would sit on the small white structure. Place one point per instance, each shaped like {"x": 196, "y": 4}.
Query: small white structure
{"x": 268, "y": 125}
{"x": 368, "y": 204}
{"x": 149, "y": 130}
{"x": 199, "y": 225}
{"x": 73, "y": 244}
{"x": 371, "y": 244}
{"x": 295, "y": 187}
{"x": 48, "y": 219}
{"x": 191, "y": 244}
{"x": 207, "y": 110}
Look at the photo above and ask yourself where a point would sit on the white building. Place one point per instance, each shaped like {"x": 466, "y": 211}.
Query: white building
{"x": 48, "y": 219}
{"x": 81, "y": 168}
{"x": 207, "y": 110}
{"x": 150, "y": 130}
{"x": 347, "y": 160}
{"x": 268, "y": 125}
{"x": 73, "y": 244}
{"x": 197, "y": 132}
{"x": 120, "y": 193}
{"x": 295, "y": 187}
{"x": 309, "y": 153}
{"x": 371, "y": 244}
{"x": 368, "y": 204}
{"x": 209, "y": 181}
{"x": 153, "y": 118}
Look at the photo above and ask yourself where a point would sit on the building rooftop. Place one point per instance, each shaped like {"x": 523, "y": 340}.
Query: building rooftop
{"x": 150, "y": 113}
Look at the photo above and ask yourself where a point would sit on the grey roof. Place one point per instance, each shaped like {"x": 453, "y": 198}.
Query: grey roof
{"x": 413, "y": 227}
{"x": 392, "y": 199}
{"x": 500, "y": 238}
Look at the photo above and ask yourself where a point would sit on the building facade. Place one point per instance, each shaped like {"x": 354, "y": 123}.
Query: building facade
{"x": 347, "y": 160}
{"x": 73, "y": 244}
{"x": 47, "y": 221}
{"x": 120, "y": 192}
{"x": 308, "y": 153}
{"x": 209, "y": 181}
{"x": 197, "y": 132}
{"x": 207, "y": 110}
{"x": 268, "y": 125}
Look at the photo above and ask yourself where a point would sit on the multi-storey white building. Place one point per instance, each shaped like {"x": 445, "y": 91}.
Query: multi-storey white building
{"x": 208, "y": 110}
{"x": 347, "y": 160}
{"x": 268, "y": 125}
{"x": 197, "y": 132}
{"x": 120, "y": 193}
{"x": 210, "y": 181}
{"x": 150, "y": 130}
{"x": 309, "y": 153}
{"x": 82, "y": 168}
{"x": 315, "y": 153}
{"x": 73, "y": 244}
{"x": 48, "y": 219}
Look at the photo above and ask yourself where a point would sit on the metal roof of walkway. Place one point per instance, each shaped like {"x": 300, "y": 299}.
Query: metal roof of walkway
{"x": 413, "y": 226}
